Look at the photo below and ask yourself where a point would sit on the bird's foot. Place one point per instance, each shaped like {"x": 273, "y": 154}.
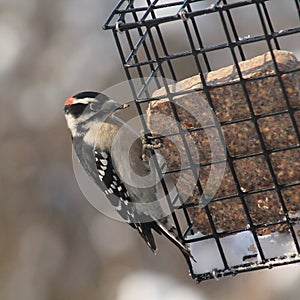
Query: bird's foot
{"x": 148, "y": 146}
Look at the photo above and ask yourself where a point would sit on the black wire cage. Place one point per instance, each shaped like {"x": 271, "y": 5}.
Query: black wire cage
{"x": 160, "y": 39}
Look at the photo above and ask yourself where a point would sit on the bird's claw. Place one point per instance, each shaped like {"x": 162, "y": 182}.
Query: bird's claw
{"x": 147, "y": 145}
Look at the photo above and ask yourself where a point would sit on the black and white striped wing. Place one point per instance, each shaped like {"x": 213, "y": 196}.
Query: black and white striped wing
{"x": 118, "y": 196}
{"x": 112, "y": 186}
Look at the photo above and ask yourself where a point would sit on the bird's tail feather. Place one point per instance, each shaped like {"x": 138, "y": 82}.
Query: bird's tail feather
{"x": 171, "y": 237}
{"x": 145, "y": 230}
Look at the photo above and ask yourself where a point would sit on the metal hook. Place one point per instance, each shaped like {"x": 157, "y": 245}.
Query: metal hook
{"x": 117, "y": 26}
{"x": 215, "y": 274}
{"x": 183, "y": 15}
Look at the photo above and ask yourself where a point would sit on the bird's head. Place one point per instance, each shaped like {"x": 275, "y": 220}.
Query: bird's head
{"x": 85, "y": 106}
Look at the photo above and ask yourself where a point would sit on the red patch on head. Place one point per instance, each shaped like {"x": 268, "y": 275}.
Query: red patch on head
{"x": 69, "y": 101}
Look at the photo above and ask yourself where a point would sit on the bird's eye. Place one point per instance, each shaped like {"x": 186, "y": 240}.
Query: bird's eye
{"x": 94, "y": 106}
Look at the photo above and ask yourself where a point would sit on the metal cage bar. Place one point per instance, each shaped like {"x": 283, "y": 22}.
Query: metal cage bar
{"x": 138, "y": 29}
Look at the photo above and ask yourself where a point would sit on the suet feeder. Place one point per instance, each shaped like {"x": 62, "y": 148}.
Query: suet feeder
{"x": 233, "y": 57}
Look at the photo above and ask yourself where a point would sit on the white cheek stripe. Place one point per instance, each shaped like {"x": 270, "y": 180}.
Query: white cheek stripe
{"x": 72, "y": 124}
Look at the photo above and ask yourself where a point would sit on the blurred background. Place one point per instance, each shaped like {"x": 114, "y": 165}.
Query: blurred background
{"x": 53, "y": 243}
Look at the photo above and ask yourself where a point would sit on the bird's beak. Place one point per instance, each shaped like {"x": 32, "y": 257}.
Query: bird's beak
{"x": 69, "y": 101}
